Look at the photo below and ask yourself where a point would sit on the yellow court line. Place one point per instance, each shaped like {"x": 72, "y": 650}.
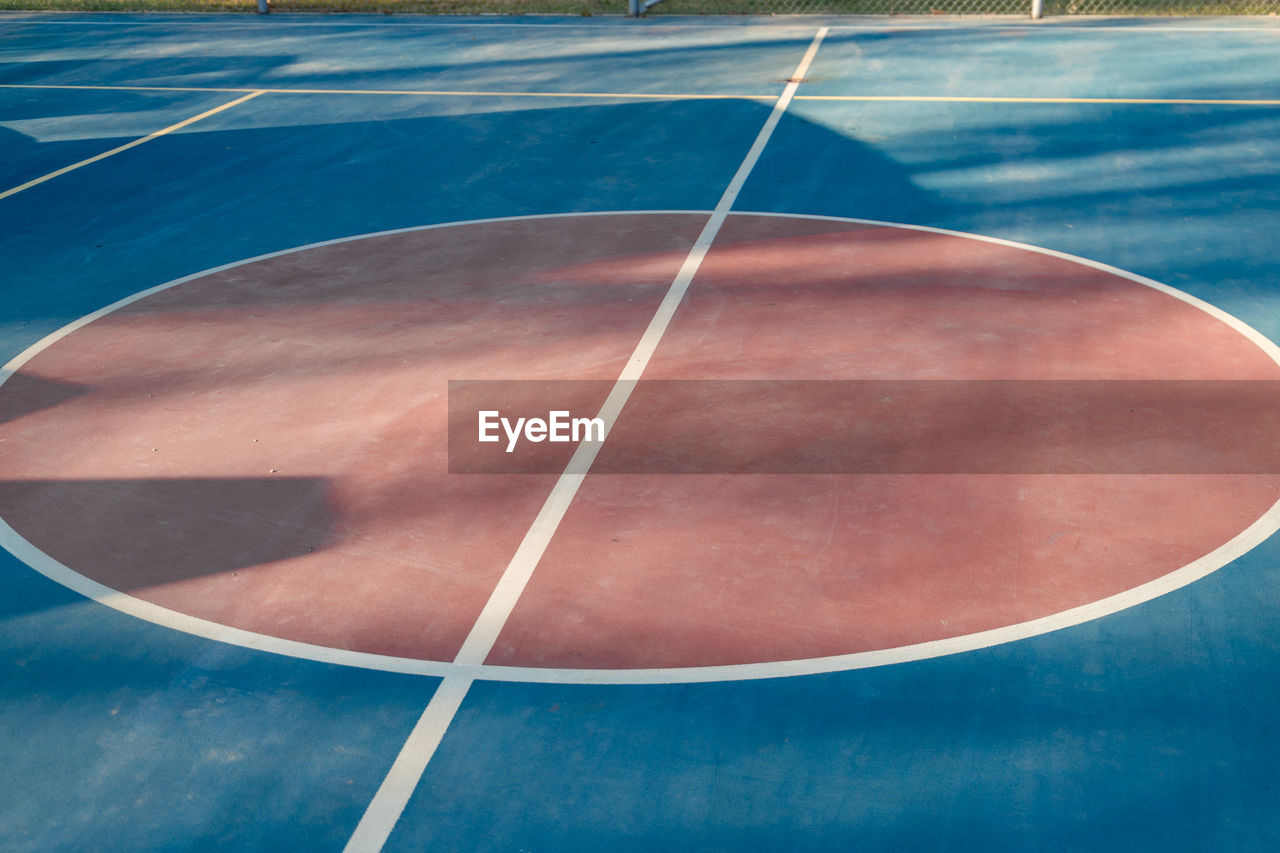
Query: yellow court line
{"x": 645, "y": 96}
{"x": 80, "y": 87}
{"x": 450, "y": 93}
{"x": 978, "y": 99}
{"x": 105, "y": 154}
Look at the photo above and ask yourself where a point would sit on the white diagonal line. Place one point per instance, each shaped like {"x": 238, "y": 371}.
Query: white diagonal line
{"x": 392, "y": 796}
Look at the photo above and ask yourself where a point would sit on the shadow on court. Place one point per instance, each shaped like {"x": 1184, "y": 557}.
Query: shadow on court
{"x": 1146, "y": 730}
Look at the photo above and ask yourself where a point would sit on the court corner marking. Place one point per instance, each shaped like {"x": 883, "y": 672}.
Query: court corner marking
{"x": 128, "y": 145}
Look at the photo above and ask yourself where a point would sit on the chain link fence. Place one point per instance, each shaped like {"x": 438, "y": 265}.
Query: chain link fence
{"x": 677, "y": 7}
{"x": 459, "y": 7}
{"x": 1162, "y": 7}
{"x": 843, "y": 7}
{"x": 967, "y": 7}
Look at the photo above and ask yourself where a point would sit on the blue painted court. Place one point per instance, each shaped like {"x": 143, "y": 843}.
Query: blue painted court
{"x": 251, "y": 598}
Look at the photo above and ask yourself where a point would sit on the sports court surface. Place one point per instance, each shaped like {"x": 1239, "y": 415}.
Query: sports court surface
{"x": 940, "y": 516}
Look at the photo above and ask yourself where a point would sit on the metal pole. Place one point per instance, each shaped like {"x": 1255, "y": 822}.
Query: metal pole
{"x": 1037, "y": 9}
{"x": 633, "y": 8}
{"x": 262, "y": 7}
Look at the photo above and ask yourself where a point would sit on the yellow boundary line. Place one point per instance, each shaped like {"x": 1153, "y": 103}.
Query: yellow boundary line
{"x": 135, "y": 143}
{"x": 447, "y": 93}
{"x": 254, "y": 93}
{"x": 978, "y": 99}
{"x": 676, "y": 96}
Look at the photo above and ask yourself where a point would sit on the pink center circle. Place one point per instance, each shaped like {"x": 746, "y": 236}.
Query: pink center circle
{"x": 264, "y": 446}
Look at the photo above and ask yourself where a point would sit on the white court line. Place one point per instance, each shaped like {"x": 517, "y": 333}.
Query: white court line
{"x": 917, "y": 23}
{"x": 425, "y": 21}
{"x": 135, "y": 143}
{"x": 393, "y": 794}
{"x": 1254, "y": 24}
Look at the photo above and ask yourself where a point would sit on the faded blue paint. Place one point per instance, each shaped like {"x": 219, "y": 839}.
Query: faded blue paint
{"x": 1147, "y": 730}
{"x": 1152, "y": 729}
{"x": 121, "y": 735}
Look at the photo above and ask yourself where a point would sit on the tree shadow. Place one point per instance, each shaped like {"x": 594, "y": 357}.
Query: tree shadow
{"x": 141, "y": 533}
{"x": 25, "y": 394}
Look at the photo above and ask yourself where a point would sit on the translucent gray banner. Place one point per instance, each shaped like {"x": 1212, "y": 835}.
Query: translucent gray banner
{"x": 872, "y": 427}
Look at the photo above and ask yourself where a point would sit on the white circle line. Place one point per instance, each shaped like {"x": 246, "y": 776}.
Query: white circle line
{"x": 53, "y": 337}
{"x": 1257, "y": 338}
{"x": 1256, "y": 533}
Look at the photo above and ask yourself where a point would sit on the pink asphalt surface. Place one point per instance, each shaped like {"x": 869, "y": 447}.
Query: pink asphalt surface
{"x": 265, "y": 447}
